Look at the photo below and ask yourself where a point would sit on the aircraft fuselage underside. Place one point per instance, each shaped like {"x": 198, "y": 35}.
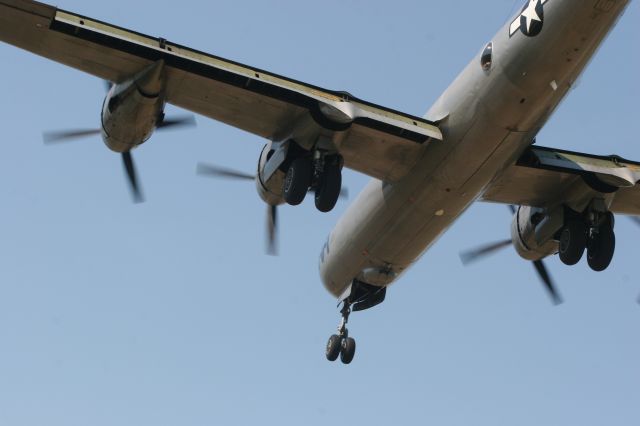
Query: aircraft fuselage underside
{"x": 488, "y": 116}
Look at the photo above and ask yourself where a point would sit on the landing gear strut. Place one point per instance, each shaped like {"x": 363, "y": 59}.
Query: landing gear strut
{"x": 341, "y": 344}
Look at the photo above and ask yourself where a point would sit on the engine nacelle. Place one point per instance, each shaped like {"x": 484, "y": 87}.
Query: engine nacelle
{"x": 270, "y": 190}
{"x": 132, "y": 109}
{"x": 533, "y": 231}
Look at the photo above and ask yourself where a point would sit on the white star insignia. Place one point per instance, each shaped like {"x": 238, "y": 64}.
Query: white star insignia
{"x": 530, "y": 14}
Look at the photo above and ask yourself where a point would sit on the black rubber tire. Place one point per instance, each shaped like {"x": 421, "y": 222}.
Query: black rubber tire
{"x": 348, "y": 350}
{"x": 297, "y": 181}
{"x": 600, "y": 249}
{"x": 573, "y": 242}
{"x": 334, "y": 345}
{"x": 329, "y": 187}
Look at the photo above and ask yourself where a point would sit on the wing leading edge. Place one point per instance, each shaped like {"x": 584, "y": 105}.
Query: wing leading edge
{"x": 545, "y": 177}
{"x": 377, "y": 141}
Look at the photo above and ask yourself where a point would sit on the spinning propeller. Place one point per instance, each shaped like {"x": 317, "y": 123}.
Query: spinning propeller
{"x": 272, "y": 210}
{"x": 127, "y": 158}
{"x": 471, "y": 256}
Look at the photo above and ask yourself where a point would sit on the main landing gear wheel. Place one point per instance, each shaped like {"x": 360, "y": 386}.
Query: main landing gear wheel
{"x": 334, "y": 345}
{"x": 573, "y": 242}
{"x": 297, "y": 181}
{"x": 347, "y": 350}
{"x": 341, "y": 344}
{"x": 602, "y": 246}
{"x": 329, "y": 186}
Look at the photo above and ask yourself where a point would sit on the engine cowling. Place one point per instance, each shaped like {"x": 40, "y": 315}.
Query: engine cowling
{"x": 533, "y": 232}
{"x": 132, "y": 109}
{"x": 270, "y": 190}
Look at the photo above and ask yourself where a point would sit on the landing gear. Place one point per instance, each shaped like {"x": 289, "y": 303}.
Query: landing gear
{"x": 359, "y": 296}
{"x": 329, "y": 185}
{"x": 348, "y": 350}
{"x": 297, "y": 181}
{"x": 602, "y": 244}
{"x": 334, "y": 345}
{"x": 573, "y": 242}
{"x": 323, "y": 173}
{"x": 341, "y": 344}
{"x": 595, "y": 234}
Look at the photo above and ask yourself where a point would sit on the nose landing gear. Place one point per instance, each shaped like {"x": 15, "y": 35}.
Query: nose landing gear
{"x": 341, "y": 344}
{"x": 358, "y": 297}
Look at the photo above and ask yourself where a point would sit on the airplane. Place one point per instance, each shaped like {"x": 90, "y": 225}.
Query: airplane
{"x": 476, "y": 143}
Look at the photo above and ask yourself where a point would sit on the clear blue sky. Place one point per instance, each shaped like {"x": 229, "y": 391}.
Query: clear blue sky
{"x": 169, "y": 313}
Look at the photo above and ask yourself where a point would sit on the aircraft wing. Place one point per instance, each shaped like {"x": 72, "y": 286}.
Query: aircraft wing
{"x": 545, "y": 177}
{"x": 372, "y": 139}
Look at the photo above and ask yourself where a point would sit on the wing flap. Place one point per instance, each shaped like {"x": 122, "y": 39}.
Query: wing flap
{"x": 248, "y": 98}
{"x": 545, "y": 177}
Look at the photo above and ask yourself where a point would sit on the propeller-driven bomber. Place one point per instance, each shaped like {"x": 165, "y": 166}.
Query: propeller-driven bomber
{"x": 476, "y": 143}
